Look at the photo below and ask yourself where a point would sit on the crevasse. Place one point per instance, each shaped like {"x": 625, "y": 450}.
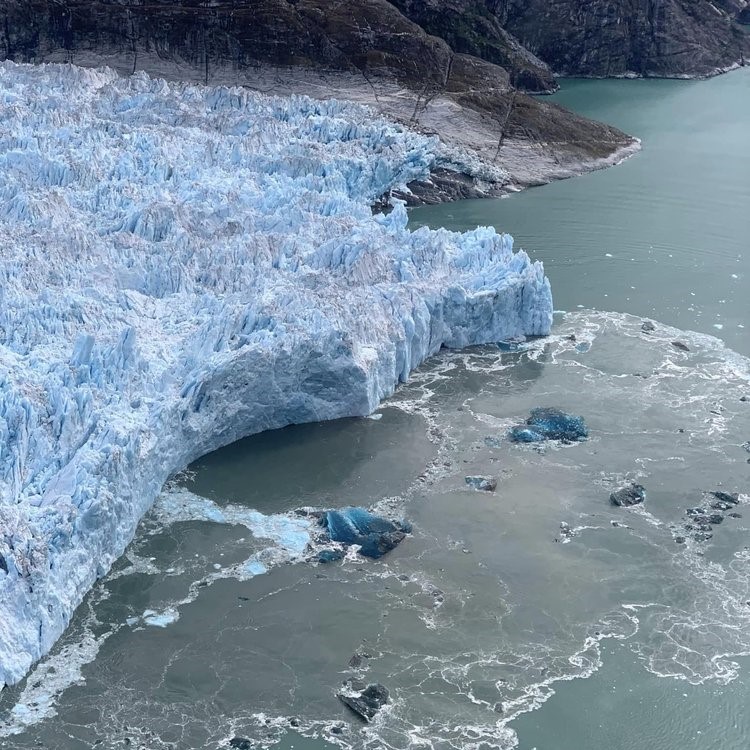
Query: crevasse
{"x": 181, "y": 266}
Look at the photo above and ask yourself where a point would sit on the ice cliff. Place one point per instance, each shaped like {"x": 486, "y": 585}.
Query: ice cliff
{"x": 181, "y": 266}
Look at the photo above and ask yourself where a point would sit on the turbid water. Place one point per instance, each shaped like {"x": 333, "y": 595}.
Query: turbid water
{"x": 492, "y": 625}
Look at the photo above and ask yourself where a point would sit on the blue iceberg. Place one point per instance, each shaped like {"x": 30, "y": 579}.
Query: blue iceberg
{"x": 182, "y": 266}
{"x": 375, "y": 535}
{"x": 547, "y": 423}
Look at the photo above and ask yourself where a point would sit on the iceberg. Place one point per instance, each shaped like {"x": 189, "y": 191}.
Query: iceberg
{"x": 182, "y": 266}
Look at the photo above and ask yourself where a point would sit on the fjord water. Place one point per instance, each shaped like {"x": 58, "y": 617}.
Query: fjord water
{"x": 664, "y": 235}
{"x": 491, "y": 625}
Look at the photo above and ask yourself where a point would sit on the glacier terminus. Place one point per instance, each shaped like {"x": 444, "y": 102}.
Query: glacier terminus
{"x": 182, "y": 266}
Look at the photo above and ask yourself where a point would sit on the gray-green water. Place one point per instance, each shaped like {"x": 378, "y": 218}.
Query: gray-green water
{"x": 490, "y": 626}
{"x": 666, "y": 234}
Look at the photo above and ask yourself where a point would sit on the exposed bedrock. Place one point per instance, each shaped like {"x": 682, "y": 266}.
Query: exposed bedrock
{"x": 599, "y": 38}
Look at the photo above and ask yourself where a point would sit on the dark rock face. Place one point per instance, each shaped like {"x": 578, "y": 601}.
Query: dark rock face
{"x": 374, "y": 534}
{"x": 472, "y": 27}
{"x": 547, "y": 423}
{"x": 634, "y": 494}
{"x": 369, "y": 36}
{"x": 599, "y": 38}
{"x": 364, "y": 702}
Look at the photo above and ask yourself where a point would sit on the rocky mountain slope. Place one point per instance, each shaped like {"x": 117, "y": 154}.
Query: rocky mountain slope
{"x": 665, "y": 38}
{"x": 366, "y": 50}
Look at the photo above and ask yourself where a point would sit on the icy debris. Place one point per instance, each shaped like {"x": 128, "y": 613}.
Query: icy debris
{"x": 633, "y": 494}
{"x": 373, "y": 534}
{"x": 160, "y": 619}
{"x": 182, "y": 266}
{"x": 546, "y": 423}
{"x": 485, "y": 484}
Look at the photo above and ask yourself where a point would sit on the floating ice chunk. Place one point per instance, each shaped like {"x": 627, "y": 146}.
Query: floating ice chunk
{"x": 373, "y": 534}
{"x": 547, "y": 423}
{"x": 161, "y": 619}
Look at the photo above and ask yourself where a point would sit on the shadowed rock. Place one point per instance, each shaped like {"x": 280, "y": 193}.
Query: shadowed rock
{"x": 633, "y": 494}
{"x": 364, "y": 702}
{"x": 598, "y": 38}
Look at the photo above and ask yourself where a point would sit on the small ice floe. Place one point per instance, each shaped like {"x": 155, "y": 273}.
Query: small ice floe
{"x": 485, "y": 484}
{"x": 548, "y": 423}
{"x": 375, "y": 535}
{"x": 160, "y": 619}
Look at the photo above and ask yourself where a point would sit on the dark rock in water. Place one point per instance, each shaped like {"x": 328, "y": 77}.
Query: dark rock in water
{"x": 486, "y": 484}
{"x": 547, "y": 423}
{"x": 330, "y": 555}
{"x": 571, "y": 337}
{"x": 681, "y": 345}
{"x": 647, "y": 326}
{"x": 722, "y": 505}
{"x": 715, "y": 518}
{"x": 358, "y": 659}
{"x": 374, "y": 534}
{"x": 631, "y": 495}
{"x": 744, "y": 398}
{"x": 366, "y": 703}
{"x": 735, "y": 515}
{"x": 337, "y": 729}
{"x": 240, "y": 743}
{"x": 295, "y": 722}
{"x": 726, "y": 497}
{"x": 680, "y": 539}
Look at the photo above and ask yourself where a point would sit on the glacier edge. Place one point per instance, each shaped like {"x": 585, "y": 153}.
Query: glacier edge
{"x": 184, "y": 266}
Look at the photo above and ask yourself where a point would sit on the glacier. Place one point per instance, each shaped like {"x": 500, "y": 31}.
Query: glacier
{"x": 182, "y": 266}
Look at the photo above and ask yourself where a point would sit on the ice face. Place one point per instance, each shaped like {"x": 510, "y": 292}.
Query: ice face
{"x": 182, "y": 266}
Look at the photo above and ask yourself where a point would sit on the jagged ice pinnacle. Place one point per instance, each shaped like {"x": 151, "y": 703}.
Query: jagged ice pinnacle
{"x": 181, "y": 266}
